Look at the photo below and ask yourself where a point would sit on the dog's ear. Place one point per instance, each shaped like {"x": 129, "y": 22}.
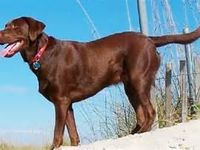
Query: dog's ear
{"x": 35, "y": 27}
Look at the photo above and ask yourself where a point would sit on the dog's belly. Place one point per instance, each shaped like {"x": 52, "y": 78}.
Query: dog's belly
{"x": 90, "y": 86}
{"x": 81, "y": 93}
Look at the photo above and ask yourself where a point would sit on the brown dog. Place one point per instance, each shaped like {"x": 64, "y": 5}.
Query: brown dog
{"x": 70, "y": 71}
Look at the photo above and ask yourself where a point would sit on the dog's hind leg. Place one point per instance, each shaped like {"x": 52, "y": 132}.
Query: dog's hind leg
{"x": 71, "y": 127}
{"x": 140, "y": 67}
{"x": 138, "y": 92}
{"x": 140, "y": 116}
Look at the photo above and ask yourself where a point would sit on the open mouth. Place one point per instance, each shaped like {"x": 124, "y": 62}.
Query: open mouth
{"x": 11, "y": 49}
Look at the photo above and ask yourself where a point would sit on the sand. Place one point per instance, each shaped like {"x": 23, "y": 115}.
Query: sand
{"x": 184, "y": 136}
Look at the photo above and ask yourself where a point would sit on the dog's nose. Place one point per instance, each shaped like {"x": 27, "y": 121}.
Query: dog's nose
{"x": 1, "y": 43}
{"x": 0, "y": 38}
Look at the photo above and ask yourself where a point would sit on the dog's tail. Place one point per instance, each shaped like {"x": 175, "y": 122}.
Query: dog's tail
{"x": 179, "y": 38}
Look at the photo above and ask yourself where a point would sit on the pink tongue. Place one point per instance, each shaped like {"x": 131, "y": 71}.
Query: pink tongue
{"x": 5, "y": 51}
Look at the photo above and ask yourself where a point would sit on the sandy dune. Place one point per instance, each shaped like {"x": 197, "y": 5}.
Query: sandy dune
{"x": 184, "y": 136}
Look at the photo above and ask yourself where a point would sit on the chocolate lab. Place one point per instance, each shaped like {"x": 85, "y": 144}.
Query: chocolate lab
{"x": 70, "y": 71}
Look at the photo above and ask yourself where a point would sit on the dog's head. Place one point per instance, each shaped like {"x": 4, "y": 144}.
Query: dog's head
{"x": 18, "y": 34}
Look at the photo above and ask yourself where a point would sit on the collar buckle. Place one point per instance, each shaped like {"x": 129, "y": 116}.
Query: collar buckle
{"x": 36, "y": 65}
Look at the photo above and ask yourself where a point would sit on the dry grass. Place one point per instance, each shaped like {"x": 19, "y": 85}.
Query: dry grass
{"x": 5, "y": 146}
{"x": 8, "y": 146}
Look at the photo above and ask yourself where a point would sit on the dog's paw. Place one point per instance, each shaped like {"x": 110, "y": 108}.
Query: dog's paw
{"x": 53, "y": 147}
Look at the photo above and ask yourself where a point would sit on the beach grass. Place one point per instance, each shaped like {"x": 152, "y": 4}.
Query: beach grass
{"x": 6, "y": 146}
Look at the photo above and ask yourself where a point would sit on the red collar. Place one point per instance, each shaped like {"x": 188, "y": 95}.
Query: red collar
{"x": 37, "y": 57}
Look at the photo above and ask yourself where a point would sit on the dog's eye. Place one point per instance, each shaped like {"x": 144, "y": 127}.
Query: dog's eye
{"x": 10, "y": 26}
{"x": 6, "y": 26}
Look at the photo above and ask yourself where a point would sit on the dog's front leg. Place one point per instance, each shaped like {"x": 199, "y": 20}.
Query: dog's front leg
{"x": 61, "y": 108}
{"x": 71, "y": 126}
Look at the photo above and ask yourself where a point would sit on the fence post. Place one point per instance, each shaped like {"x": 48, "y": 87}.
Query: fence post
{"x": 183, "y": 96}
{"x": 142, "y": 16}
{"x": 188, "y": 56}
{"x": 197, "y": 78}
{"x": 155, "y": 125}
{"x": 168, "y": 104}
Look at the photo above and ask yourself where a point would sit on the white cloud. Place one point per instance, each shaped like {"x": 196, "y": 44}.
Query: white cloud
{"x": 24, "y": 131}
{"x": 13, "y": 89}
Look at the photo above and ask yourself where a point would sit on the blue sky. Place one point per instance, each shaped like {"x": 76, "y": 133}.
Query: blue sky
{"x": 21, "y": 106}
